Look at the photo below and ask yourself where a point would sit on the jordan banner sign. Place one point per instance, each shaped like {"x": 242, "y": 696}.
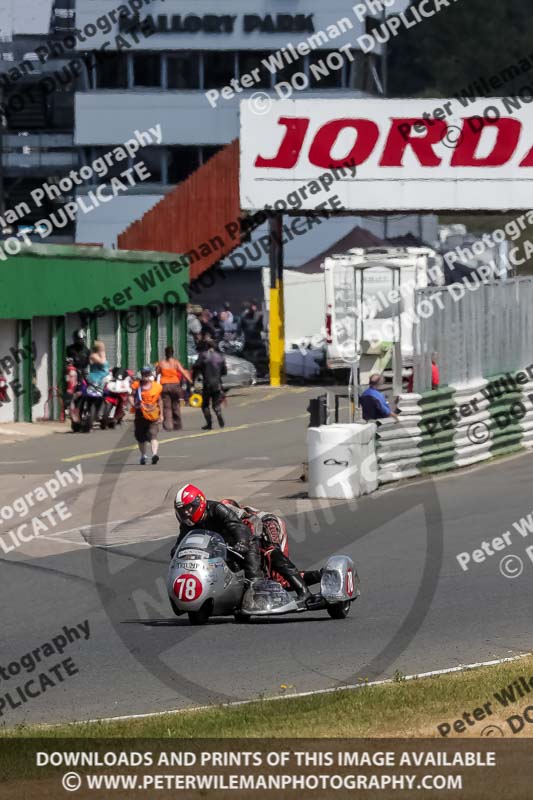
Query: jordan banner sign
{"x": 390, "y": 155}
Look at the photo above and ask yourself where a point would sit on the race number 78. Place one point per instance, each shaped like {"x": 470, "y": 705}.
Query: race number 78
{"x": 187, "y": 588}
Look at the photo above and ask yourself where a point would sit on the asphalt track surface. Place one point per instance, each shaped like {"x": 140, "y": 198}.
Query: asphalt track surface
{"x": 418, "y": 609}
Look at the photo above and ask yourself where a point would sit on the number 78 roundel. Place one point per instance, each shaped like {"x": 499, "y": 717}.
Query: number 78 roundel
{"x": 187, "y": 588}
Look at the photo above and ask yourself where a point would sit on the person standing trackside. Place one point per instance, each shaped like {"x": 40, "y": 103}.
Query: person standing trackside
{"x": 435, "y": 375}
{"x": 78, "y": 351}
{"x": 98, "y": 364}
{"x": 373, "y": 403}
{"x": 211, "y": 365}
{"x": 171, "y": 372}
{"x": 146, "y": 399}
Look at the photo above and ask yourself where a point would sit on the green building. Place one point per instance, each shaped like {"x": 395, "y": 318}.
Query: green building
{"x": 135, "y": 302}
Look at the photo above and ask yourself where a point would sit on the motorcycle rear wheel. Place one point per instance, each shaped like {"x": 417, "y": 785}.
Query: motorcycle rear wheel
{"x": 339, "y": 610}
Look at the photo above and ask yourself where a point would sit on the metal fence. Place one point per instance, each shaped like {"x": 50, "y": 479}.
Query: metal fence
{"x": 475, "y": 331}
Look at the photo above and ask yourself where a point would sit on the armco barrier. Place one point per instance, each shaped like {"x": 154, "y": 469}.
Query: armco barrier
{"x": 456, "y": 426}
{"x": 506, "y": 411}
{"x": 527, "y": 421}
{"x": 421, "y": 441}
{"x": 398, "y": 443}
{"x": 473, "y": 438}
{"x": 437, "y": 424}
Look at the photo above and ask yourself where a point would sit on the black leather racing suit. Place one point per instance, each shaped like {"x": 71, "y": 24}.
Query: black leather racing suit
{"x": 222, "y": 519}
{"x": 279, "y": 562}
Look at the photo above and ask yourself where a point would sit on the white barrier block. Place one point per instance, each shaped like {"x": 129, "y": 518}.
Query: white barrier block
{"x": 342, "y": 460}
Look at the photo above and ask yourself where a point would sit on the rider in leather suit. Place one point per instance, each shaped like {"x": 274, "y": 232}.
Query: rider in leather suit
{"x": 275, "y": 550}
{"x": 193, "y": 510}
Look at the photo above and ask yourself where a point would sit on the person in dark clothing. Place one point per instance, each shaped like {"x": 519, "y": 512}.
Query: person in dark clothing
{"x": 207, "y": 326}
{"x": 211, "y": 365}
{"x": 250, "y": 329}
{"x": 271, "y": 532}
{"x": 78, "y": 351}
{"x": 373, "y": 403}
{"x": 193, "y": 510}
{"x": 251, "y": 325}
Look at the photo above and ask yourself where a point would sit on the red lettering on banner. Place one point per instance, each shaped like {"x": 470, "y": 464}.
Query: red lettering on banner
{"x": 291, "y": 146}
{"x": 400, "y": 137}
{"x": 422, "y": 146}
{"x": 507, "y": 136}
{"x": 367, "y": 136}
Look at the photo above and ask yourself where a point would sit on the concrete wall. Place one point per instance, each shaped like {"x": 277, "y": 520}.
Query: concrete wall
{"x": 186, "y": 117}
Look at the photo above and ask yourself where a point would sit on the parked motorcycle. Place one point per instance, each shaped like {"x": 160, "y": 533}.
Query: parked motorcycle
{"x": 117, "y": 389}
{"x": 206, "y": 579}
{"x": 92, "y": 398}
{"x": 231, "y": 347}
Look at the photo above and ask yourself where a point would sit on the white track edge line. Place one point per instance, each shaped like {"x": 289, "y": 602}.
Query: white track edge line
{"x": 432, "y": 673}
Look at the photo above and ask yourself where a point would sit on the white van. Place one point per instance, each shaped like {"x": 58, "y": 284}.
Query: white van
{"x": 367, "y": 289}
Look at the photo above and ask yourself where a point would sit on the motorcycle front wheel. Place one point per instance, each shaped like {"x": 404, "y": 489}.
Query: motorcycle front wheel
{"x": 91, "y": 417}
{"x": 200, "y": 617}
{"x": 339, "y": 610}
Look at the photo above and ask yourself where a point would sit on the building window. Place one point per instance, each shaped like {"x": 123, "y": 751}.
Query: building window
{"x": 26, "y": 112}
{"x": 219, "y": 69}
{"x": 361, "y": 72}
{"x": 60, "y": 111}
{"x": 288, "y": 70}
{"x": 182, "y": 161}
{"x": 208, "y": 151}
{"x": 100, "y": 174}
{"x": 183, "y": 71}
{"x": 151, "y": 156}
{"x": 111, "y": 71}
{"x": 250, "y": 60}
{"x": 147, "y": 69}
{"x": 328, "y": 75}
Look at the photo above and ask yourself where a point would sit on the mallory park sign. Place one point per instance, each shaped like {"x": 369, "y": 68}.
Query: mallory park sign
{"x": 219, "y": 23}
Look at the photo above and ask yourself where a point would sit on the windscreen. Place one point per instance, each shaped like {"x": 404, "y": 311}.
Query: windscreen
{"x": 204, "y": 544}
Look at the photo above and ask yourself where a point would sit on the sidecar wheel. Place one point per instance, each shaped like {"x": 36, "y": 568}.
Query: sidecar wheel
{"x": 200, "y": 617}
{"x": 339, "y": 610}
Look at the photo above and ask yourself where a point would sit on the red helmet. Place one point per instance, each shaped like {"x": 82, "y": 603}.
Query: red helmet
{"x": 190, "y": 505}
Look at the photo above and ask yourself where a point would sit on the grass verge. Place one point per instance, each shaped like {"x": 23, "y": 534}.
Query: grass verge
{"x": 402, "y": 708}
